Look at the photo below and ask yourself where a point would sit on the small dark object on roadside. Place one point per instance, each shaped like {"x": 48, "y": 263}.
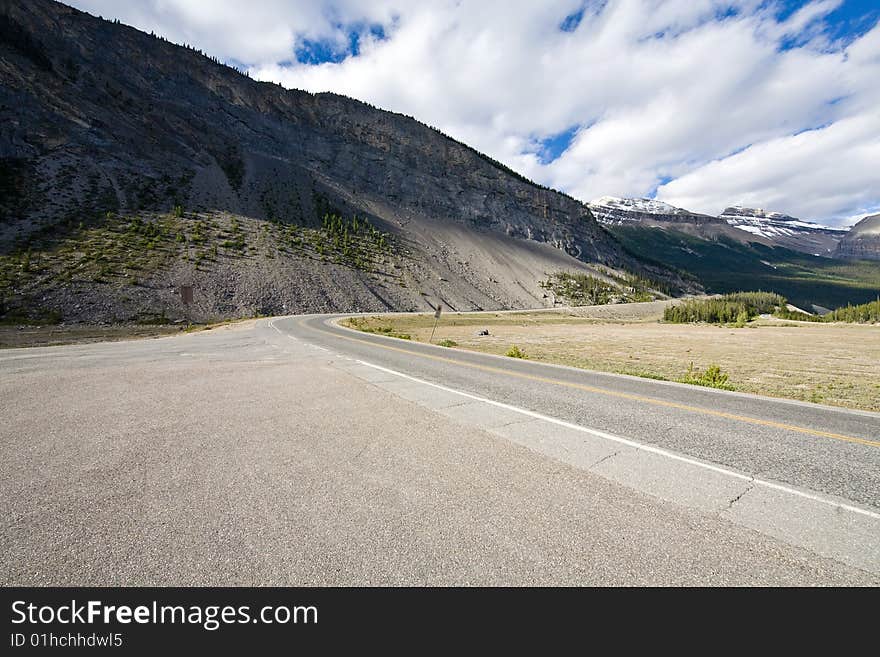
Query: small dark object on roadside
{"x": 483, "y": 332}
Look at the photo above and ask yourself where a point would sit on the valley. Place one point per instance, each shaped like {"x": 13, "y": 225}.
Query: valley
{"x": 726, "y": 265}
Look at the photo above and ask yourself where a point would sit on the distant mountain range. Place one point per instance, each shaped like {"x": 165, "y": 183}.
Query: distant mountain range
{"x": 751, "y": 224}
{"x": 784, "y": 230}
{"x": 748, "y": 249}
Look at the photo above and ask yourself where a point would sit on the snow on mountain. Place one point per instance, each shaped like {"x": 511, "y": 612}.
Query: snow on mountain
{"x": 736, "y": 222}
{"x": 614, "y": 210}
{"x": 769, "y": 224}
{"x": 647, "y": 205}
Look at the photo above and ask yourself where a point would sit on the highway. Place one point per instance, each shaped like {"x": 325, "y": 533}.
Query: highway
{"x": 822, "y": 448}
{"x": 294, "y": 451}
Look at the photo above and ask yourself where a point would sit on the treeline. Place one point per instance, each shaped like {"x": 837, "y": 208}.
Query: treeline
{"x": 863, "y": 313}
{"x": 738, "y": 307}
{"x": 741, "y": 307}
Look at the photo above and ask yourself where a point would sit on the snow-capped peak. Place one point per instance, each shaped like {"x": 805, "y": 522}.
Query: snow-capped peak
{"x": 767, "y": 223}
{"x": 646, "y": 205}
{"x": 755, "y": 213}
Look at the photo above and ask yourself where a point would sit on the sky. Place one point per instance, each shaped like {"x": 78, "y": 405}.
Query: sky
{"x": 700, "y": 103}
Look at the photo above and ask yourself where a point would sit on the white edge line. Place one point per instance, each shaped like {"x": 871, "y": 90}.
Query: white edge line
{"x": 623, "y": 441}
{"x": 632, "y": 443}
{"x": 335, "y": 319}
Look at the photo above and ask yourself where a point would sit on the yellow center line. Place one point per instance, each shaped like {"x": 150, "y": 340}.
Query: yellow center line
{"x": 610, "y": 393}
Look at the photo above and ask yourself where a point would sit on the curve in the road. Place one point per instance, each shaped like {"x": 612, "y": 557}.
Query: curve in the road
{"x": 622, "y": 395}
{"x": 760, "y": 436}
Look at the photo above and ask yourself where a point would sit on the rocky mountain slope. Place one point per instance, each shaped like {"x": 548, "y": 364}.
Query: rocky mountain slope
{"x": 862, "y": 241}
{"x": 129, "y": 166}
{"x": 751, "y": 225}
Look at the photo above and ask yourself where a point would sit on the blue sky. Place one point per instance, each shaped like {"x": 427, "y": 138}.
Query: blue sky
{"x": 330, "y": 50}
{"x": 849, "y": 20}
{"x": 700, "y": 103}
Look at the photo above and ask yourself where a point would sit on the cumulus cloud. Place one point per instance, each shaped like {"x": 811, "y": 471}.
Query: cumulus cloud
{"x": 703, "y": 103}
{"x": 762, "y": 174}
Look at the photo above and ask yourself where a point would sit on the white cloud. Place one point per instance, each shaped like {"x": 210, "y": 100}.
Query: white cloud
{"x": 683, "y": 91}
{"x": 838, "y": 165}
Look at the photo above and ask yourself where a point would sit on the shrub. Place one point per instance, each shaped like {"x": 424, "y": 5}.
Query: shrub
{"x": 713, "y": 377}
{"x": 742, "y": 319}
{"x": 237, "y": 244}
{"x": 515, "y": 352}
{"x": 447, "y": 343}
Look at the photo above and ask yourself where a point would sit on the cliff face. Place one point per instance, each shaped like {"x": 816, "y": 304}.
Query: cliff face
{"x": 102, "y": 122}
{"x": 139, "y": 121}
{"x": 862, "y": 241}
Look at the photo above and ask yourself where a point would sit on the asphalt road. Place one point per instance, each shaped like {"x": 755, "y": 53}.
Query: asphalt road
{"x": 291, "y": 452}
{"x": 831, "y": 450}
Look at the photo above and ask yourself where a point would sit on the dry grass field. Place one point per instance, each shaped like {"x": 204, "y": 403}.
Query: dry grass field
{"x": 835, "y": 364}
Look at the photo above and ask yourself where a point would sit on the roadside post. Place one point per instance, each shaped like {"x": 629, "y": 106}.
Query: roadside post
{"x": 437, "y": 312}
{"x": 186, "y": 295}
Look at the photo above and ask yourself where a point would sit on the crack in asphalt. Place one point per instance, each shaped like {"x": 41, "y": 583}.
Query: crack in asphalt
{"x": 603, "y": 459}
{"x": 749, "y": 487}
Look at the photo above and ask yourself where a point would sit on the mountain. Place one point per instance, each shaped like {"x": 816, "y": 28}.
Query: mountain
{"x": 862, "y": 241}
{"x": 745, "y": 249}
{"x": 784, "y": 230}
{"x": 612, "y": 210}
{"x": 748, "y": 249}
{"x": 722, "y": 264}
{"x": 130, "y": 166}
{"x": 750, "y": 225}
{"x": 649, "y": 213}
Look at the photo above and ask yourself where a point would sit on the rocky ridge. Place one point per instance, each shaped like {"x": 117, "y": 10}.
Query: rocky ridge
{"x": 105, "y": 126}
